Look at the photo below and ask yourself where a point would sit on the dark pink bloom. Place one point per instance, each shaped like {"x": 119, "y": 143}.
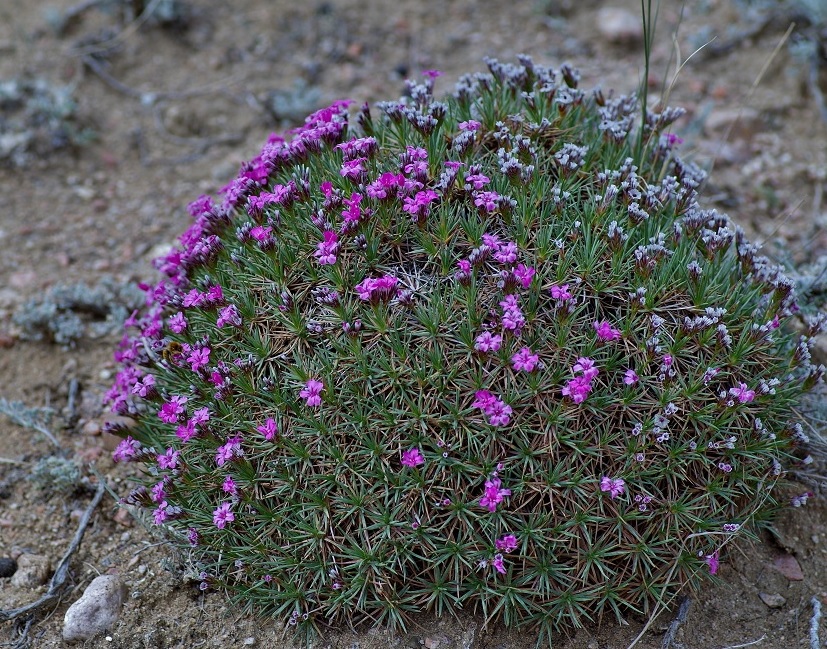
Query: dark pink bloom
{"x": 171, "y": 410}
{"x": 199, "y": 358}
{"x": 561, "y": 293}
{"x": 631, "y": 377}
{"x": 232, "y": 448}
{"x": 524, "y": 360}
{"x": 261, "y": 233}
{"x": 185, "y": 432}
{"x": 499, "y": 413}
{"x": 742, "y": 393}
{"x": 712, "y": 562}
{"x": 605, "y": 331}
{"x": 488, "y": 201}
{"x": 470, "y": 125}
{"x": 524, "y": 274}
{"x": 229, "y": 315}
{"x": 577, "y": 389}
{"x": 160, "y": 514}
{"x": 327, "y": 249}
{"x": 507, "y": 543}
{"x": 126, "y": 450}
{"x": 270, "y": 429}
{"x": 614, "y": 486}
{"x": 498, "y": 563}
{"x": 311, "y": 393}
{"x": 386, "y": 186}
{"x": 168, "y": 459}
{"x": 506, "y": 253}
{"x": 488, "y": 342}
{"x": 477, "y": 181}
{"x": 158, "y": 494}
{"x": 145, "y": 387}
{"x": 377, "y": 289}
{"x": 412, "y": 458}
{"x": 494, "y": 494}
{"x": 177, "y": 323}
{"x": 223, "y": 515}
{"x": 353, "y": 169}
{"x": 229, "y": 486}
{"x": 432, "y": 74}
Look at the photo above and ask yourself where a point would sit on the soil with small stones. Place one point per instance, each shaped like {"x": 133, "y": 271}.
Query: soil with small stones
{"x": 177, "y": 106}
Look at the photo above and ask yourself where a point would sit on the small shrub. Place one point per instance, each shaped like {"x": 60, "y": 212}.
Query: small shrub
{"x": 488, "y": 353}
{"x": 56, "y": 474}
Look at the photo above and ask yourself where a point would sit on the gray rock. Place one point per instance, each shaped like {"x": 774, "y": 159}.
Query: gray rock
{"x": 32, "y": 571}
{"x": 773, "y": 600}
{"x": 8, "y": 567}
{"x": 619, "y": 25}
{"x": 97, "y": 609}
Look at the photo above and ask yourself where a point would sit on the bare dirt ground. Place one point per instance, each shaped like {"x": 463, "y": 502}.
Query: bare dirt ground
{"x": 175, "y": 108}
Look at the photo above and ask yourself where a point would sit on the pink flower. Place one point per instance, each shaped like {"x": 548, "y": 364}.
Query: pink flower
{"x": 200, "y": 416}
{"x": 377, "y": 289}
{"x": 483, "y": 399}
{"x": 327, "y": 249}
{"x": 494, "y": 494}
{"x": 386, "y": 186}
{"x": 169, "y": 459}
{"x": 506, "y": 253}
{"x": 614, "y": 486}
{"x": 631, "y": 377}
{"x": 507, "y": 543}
{"x": 353, "y": 169}
{"x": 145, "y": 387}
{"x": 487, "y": 201}
{"x": 158, "y": 493}
{"x": 470, "y": 125}
{"x": 712, "y": 562}
{"x": 223, "y": 515}
{"x": 229, "y": 486}
{"x": 232, "y": 448}
{"x": 524, "y": 275}
{"x": 577, "y": 389}
{"x": 412, "y": 458}
{"x": 199, "y": 358}
{"x": 667, "y": 360}
{"x": 498, "y": 563}
{"x": 524, "y": 360}
{"x": 171, "y": 410}
{"x": 585, "y": 365}
{"x": 160, "y": 514}
{"x": 743, "y": 394}
{"x": 178, "y": 323}
{"x": 261, "y": 233}
{"x": 432, "y": 74}
{"x": 228, "y": 315}
{"x": 561, "y": 293}
{"x": 499, "y": 413}
{"x": 418, "y": 206}
{"x": 605, "y": 331}
{"x": 477, "y": 181}
{"x": 126, "y": 450}
{"x": 270, "y": 429}
{"x": 311, "y": 393}
{"x": 185, "y": 432}
{"x": 488, "y": 342}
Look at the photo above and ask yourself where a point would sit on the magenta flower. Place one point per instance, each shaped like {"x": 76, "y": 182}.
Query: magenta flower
{"x": 499, "y": 413}
{"x": 477, "y": 181}
{"x": 577, "y": 389}
{"x": 587, "y": 366}
{"x": 229, "y": 315}
{"x": 470, "y": 125}
{"x": 377, "y": 289}
{"x": 494, "y": 494}
{"x": 507, "y": 543}
{"x": 614, "y": 486}
{"x": 742, "y": 393}
{"x": 561, "y": 293}
{"x": 524, "y": 360}
{"x": 506, "y": 253}
{"x": 171, "y": 410}
{"x": 412, "y": 458}
{"x": 229, "y": 486}
{"x": 605, "y": 331}
{"x": 386, "y": 186}
{"x": 199, "y": 358}
{"x": 352, "y": 214}
{"x": 193, "y": 298}
{"x": 223, "y": 515}
{"x": 487, "y": 201}
{"x": 158, "y": 494}
{"x": 177, "y": 323}
{"x": 200, "y": 416}
{"x": 261, "y": 233}
{"x": 498, "y": 563}
{"x": 232, "y": 448}
{"x": 667, "y": 360}
{"x": 270, "y": 429}
{"x": 160, "y": 514}
{"x": 712, "y": 562}
{"x": 145, "y": 387}
{"x": 327, "y": 249}
{"x": 488, "y": 342}
{"x": 185, "y": 432}
{"x": 126, "y": 449}
{"x": 512, "y": 318}
{"x": 432, "y": 74}
{"x": 483, "y": 399}
{"x": 168, "y": 459}
{"x": 631, "y": 377}
{"x": 311, "y": 393}
{"x": 418, "y": 206}
{"x": 524, "y": 275}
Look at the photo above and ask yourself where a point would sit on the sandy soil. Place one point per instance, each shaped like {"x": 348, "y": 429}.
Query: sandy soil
{"x": 175, "y": 109}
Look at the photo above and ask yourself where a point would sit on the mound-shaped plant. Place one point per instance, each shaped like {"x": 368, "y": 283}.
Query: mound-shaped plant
{"x": 488, "y": 354}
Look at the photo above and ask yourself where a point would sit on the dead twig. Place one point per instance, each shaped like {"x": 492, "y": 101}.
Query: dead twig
{"x": 680, "y": 618}
{"x": 62, "y": 572}
{"x": 746, "y": 644}
{"x": 815, "y": 643}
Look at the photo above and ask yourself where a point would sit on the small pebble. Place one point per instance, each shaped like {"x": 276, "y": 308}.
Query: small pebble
{"x": 8, "y": 567}
{"x": 773, "y": 600}
{"x": 97, "y": 609}
{"x": 619, "y": 25}
{"x": 32, "y": 571}
{"x": 249, "y": 641}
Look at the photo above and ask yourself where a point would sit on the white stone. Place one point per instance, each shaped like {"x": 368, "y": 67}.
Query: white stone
{"x": 96, "y": 611}
{"x": 619, "y": 25}
{"x": 32, "y": 571}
